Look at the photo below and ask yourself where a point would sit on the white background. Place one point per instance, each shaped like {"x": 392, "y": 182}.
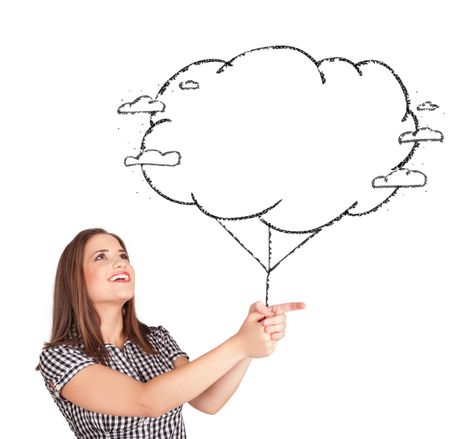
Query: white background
{"x": 367, "y": 358}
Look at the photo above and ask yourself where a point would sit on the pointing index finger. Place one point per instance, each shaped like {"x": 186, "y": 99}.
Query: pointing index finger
{"x": 287, "y": 307}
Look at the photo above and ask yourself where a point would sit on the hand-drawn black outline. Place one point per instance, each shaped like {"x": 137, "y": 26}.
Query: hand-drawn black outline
{"x": 427, "y": 106}
{"x": 152, "y": 127}
{"x": 385, "y": 178}
{"x": 315, "y": 231}
{"x": 237, "y": 218}
{"x": 189, "y": 85}
{"x": 374, "y": 209}
{"x": 150, "y": 183}
{"x": 127, "y": 107}
{"x": 226, "y": 64}
{"x": 163, "y": 154}
{"x": 411, "y": 136}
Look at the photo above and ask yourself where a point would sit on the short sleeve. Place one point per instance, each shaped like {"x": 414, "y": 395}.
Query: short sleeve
{"x": 169, "y": 345}
{"x": 59, "y": 364}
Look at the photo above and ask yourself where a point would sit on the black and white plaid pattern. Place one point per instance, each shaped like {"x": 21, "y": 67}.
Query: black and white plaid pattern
{"x": 59, "y": 364}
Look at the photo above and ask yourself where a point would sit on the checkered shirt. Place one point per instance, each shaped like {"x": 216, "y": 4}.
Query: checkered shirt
{"x": 59, "y": 364}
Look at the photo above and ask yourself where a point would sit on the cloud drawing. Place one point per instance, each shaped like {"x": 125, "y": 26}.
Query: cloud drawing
{"x": 421, "y": 135}
{"x": 400, "y": 178}
{"x": 189, "y": 85}
{"x": 276, "y": 135}
{"x": 427, "y": 106}
{"x": 143, "y": 104}
{"x": 155, "y": 158}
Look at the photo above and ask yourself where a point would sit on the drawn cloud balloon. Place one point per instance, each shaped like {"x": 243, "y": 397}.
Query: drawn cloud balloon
{"x": 277, "y": 145}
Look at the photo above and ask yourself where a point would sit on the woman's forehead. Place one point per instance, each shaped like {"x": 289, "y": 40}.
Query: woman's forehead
{"x": 102, "y": 241}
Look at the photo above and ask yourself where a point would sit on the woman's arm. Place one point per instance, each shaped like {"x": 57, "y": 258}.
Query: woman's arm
{"x": 101, "y": 389}
{"x": 216, "y": 396}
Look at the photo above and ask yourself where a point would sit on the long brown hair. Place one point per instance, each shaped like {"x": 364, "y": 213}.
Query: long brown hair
{"x": 75, "y": 320}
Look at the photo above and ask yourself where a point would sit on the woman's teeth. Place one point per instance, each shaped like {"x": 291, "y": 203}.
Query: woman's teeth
{"x": 119, "y": 276}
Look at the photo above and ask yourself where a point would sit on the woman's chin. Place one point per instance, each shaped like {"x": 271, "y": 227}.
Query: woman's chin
{"x": 121, "y": 297}
{"x": 118, "y": 297}
{"x": 125, "y": 296}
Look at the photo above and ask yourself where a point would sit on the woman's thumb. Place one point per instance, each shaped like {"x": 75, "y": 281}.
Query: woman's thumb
{"x": 255, "y": 316}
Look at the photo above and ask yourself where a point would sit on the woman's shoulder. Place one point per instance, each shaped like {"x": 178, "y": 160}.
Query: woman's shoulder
{"x": 65, "y": 346}
{"x": 159, "y": 335}
{"x": 59, "y": 362}
{"x": 63, "y": 353}
{"x": 156, "y": 331}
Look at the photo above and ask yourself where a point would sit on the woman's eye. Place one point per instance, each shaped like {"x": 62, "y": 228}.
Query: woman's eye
{"x": 100, "y": 256}
{"x": 124, "y": 256}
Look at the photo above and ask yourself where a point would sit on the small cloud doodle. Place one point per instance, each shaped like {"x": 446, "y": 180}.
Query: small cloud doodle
{"x": 143, "y": 104}
{"x": 421, "y": 135}
{"x": 155, "y": 158}
{"x": 400, "y": 178}
{"x": 189, "y": 85}
{"x": 427, "y": 106}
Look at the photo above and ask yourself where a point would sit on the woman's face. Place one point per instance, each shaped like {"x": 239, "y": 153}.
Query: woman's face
{"x": 107, "y": 271}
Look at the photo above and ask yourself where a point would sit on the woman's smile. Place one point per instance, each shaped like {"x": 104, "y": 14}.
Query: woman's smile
{"x": 121, "y": 276}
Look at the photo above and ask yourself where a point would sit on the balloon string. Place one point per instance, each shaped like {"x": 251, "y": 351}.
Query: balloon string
{"x": 269, "y": 240}
{"x": 294, "y": 249}
{"x": 243, "y": 246}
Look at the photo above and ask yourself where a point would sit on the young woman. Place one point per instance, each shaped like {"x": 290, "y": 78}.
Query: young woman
{"x": 138, "y": 377}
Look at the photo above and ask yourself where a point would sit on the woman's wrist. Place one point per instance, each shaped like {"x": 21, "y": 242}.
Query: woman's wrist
{"x": 237, "y": 348}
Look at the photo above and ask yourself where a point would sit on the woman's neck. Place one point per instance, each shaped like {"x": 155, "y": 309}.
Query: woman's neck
{"x": 111, "y": 325}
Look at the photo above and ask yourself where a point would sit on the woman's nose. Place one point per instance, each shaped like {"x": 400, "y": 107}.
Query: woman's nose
{"x": 120, "y": 262}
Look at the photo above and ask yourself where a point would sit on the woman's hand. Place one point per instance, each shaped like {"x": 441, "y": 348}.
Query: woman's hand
{"x": 275, "y": 325}
{"x": 263, "y": 327}
{"x": 252, "y": 338}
